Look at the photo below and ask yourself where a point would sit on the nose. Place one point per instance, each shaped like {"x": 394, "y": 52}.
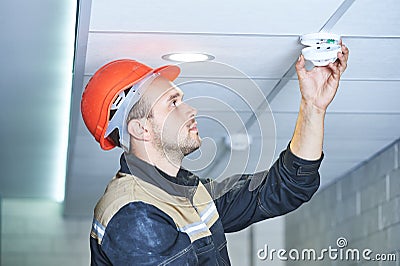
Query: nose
{"x": 190, "y": 110}
{"x": 194, "y": 111}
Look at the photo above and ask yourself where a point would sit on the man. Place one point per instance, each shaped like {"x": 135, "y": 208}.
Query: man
{"x": 156, "y": 213}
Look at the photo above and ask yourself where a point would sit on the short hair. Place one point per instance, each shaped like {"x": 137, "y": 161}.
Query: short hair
{"x": 140, "y": 109}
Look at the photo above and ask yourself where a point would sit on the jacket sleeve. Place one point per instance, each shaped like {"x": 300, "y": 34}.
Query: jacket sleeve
{"x": 290, "y": 182}
{"x": 141, "y": 234}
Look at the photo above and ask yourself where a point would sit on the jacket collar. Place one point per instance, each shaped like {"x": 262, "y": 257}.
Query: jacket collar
{"x": 183, "y": 185}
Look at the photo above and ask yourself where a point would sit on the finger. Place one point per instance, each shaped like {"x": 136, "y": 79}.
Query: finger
{"x": 342, "y": 63}
{"x": 337, "y": 61}
{"x": 335, "y": 71}
{"x": 345, "y": 51}
{"x": 343, "y": 56}
{"x": 300, "y": 67}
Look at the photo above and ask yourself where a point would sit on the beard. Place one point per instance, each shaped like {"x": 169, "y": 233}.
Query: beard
{"x": 174, "y": 150}
{"x": 189, "y": 145}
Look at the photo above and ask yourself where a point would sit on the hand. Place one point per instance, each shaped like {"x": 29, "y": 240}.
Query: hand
{"x": 319, "y": 85}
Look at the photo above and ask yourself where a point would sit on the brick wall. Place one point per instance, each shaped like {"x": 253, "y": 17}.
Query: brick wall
{"x": 363, "y": 207}
{"x": 270, "y": 232}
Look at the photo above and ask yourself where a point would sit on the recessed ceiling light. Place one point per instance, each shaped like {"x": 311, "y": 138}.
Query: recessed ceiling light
{"x": 188, "y": 57}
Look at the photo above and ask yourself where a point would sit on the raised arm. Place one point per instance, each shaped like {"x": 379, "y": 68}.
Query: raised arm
{"x": 318, "y": 88}
{"x": 294, "y": 177}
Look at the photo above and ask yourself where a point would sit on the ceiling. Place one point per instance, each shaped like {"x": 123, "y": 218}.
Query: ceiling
{"x": 251, "y": 41}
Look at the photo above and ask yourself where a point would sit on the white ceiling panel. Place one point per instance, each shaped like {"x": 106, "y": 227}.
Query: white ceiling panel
{"x": 343, "y": 126}
{"x": 235, "y": 83}
{"x": 351, "y": 150}
{"x": 373, "y": 58}
{"x": 346, "y": 126}
{"x": 338, "y": 151}
{"x": 362, "y": 126}
{"x": 225, "y": 94}
{"x": 256, "y": 57}
{"x": 90, "y": 161}
{"x": 371, "y": 97}
{"x": 219, "y": 124}
{"x": 90, "y": 147}
{"x": 255, "y": 160}
{"x": 283, "y": 125}
{"x": 260, "y": 17}
{"x": 90, "y": 170}
{"x": 82, "y": 130}
{"x": 264, "y": 152}
{"x": 280, "y": 145}
{"x": 238, "y": 162}
{"x": 371, "y": 18}
{"x": 330, "y": 170}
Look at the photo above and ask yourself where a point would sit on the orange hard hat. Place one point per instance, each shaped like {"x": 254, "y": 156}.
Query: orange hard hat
{"x": 104, "y": 87}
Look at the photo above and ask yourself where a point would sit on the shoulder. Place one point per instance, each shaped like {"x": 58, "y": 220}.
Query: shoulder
{"x": 141, "y": 233}
{"x": 143, "y": 223}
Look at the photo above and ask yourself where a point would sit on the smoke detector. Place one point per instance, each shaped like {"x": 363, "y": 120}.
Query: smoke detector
{"x": 238, "y": 142}
{"x": 323, "y": 47}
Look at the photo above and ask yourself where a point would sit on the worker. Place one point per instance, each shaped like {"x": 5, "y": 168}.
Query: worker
{"x": 155, "y": 212}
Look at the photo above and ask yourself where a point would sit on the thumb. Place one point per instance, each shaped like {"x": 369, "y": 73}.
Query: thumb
{"x": 300, "y": 67}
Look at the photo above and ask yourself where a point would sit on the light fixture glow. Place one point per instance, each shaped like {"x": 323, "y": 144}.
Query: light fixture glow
{"x": 66, "y": 83}
{"x": 188, "y": 57}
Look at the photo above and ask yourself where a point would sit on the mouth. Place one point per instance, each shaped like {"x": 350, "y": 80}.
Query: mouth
{"x": 193, "y": 127}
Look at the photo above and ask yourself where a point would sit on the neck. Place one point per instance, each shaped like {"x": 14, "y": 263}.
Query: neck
{"x": 168, "y": 167}
{"x": 169, "y": 164}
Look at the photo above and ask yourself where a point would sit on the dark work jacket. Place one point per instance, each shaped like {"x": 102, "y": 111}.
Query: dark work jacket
{"x": 142, "y": 230}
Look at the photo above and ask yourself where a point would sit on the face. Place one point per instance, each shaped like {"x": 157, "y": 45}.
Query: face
{"x": 173, "y": 124}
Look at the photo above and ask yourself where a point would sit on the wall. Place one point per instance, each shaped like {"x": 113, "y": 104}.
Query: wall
{"x": 244, "y": 245}
{"x": 363, "y": 207}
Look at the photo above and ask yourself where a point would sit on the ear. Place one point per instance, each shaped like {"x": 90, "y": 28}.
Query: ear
{"x": 137, "y": 128}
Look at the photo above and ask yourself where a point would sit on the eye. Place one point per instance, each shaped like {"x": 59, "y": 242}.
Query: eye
{"x": 174, "y": 103}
